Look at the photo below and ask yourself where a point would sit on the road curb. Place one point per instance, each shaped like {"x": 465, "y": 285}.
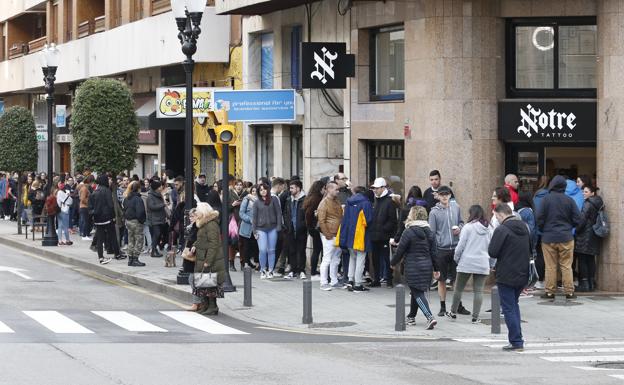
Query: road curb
{"x": 157, "y": 287}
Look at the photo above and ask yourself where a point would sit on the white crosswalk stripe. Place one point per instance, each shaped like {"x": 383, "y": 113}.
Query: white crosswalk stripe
{"x": 128, "y": 321}
{"x": 57, "y": 322}
{"x": 567, "y": 352}
{"x": 112, "y": 322}
{"x": 5, "y": 329}
{"x": 200, "y": 322}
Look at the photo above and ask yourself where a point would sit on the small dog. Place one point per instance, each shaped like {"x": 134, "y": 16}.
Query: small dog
{"x": 170, "y": 259}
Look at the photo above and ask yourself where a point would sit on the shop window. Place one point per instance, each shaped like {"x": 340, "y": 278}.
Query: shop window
{"x": 552, "y": 57}
{"x": 387, "y": 52}
{"x": 264, "y": 151}
{"x": 291, "y": 56}
{"x": 296, "y": 151}
{"x": 266, "y": 61}
{"x": 387, "y": 160}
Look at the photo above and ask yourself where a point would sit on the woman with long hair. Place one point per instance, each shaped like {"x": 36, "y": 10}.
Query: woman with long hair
{"x": 473, "y": 260}
{"x": 586, "y": 242}
{"x": 310, "y": 205}
{"x": 414, "y": 198}
{"x": 64, "y": 202}
{"x": 267, "y": 220}
{"x": 248, "y": 243}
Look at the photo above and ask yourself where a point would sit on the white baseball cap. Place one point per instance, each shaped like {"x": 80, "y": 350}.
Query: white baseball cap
{"x": 379, "y": 182}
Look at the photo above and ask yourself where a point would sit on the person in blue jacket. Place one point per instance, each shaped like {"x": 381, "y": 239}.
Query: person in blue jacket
{"x": 574, "y": 192}
{"x": 354, "y": 236}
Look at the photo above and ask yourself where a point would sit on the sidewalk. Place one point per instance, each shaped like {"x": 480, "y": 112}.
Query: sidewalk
{"x": 278, "y": 303}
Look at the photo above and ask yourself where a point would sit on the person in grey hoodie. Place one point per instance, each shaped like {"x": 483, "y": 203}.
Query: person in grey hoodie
{"x": 445, "y": 222}
{"x": 472, "y": 258}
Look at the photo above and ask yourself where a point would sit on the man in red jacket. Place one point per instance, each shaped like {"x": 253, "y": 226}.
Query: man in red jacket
{"x": 512, "y": 184}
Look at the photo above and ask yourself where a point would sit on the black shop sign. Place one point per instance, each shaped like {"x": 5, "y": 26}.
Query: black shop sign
{"x": 537, "y": 121}
{"x": 326, "y": 65}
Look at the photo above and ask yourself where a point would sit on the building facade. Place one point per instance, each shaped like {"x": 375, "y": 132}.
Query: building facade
{"x": 135, "y": 41}
{"x": 474, "y": 88}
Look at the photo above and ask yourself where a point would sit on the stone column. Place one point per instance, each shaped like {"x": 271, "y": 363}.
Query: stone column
{"x": 610, "y": 85}
{"x": 454, "y": 75}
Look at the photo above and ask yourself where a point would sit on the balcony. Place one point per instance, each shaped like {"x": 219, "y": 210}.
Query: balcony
{"x": 160, "y": 6}
{"x": 37, "y": 44}
{"x": 100, "y": 24}
{"x": 18, "y": 49}
{"x": 84, "y": 29}
{"x": 256, "y": 7}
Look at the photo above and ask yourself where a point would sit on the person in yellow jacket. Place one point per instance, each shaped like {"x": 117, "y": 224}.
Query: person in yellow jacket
{"x": 354, "y": 236}
{"x": 26, "y": 204}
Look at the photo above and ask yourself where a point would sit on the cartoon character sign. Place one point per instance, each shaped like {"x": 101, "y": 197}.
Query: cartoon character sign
{"x": 171, "y": 104}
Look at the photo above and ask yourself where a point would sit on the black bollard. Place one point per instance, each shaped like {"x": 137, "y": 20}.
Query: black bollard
{"x": 247, "y": 286}
{"x": 307, "y": 302}
{"x": 496, "y": 318}
{"x": 399, "y": 324}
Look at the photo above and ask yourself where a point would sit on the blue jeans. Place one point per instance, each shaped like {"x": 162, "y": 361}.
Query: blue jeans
{"x": 509, "y": 303}
{"x": 266, "y": 244}
{"x": 63, "y": 225}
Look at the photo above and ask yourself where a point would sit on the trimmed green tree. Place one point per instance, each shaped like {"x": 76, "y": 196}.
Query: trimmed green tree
{"x": 104, "y": 126}
{"x": 18, "y": 148}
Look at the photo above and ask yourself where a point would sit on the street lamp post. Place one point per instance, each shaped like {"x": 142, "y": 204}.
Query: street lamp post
{"x": 49, "y": 58}
{"x": 188, "y": 15}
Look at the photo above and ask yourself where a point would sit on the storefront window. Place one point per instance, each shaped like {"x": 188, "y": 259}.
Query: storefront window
{"x": 264, "y": 151}
{"x": 266, "y": 58}
{"x": 534, "y": 57}
{"x": 387, "y": 160}
{"x": 577, "y": 56}
{"x": 552, "y": 57}
{"x": 388, "y": 71}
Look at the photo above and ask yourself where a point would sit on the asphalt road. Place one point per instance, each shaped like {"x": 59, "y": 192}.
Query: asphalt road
{"x": 63, "y": 326}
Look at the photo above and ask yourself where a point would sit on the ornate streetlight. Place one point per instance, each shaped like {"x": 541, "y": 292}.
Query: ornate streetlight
{"x": 49, "y": 58}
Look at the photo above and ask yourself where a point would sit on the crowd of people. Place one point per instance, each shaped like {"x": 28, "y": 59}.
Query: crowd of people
{"x": 359, "y": 235}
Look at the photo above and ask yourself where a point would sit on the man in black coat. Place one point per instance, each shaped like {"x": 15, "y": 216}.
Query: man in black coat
{"x": 201, "y": 188}
{"x": 102, "y": 210}
{"x": 510, "y": 246}
{"x": 556, "y": 219}
{"x": 382, "y": 228}
{"x": 296, "y": 231}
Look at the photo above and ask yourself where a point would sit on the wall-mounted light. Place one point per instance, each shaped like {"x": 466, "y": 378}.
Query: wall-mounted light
{"x": 545, "y": 30}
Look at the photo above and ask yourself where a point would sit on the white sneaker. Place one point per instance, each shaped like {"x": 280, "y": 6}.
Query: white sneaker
{"x": 539, "y": 285}
{"x": 326, "y": 287}
{"x": 302, "y": 275}
{"x": 290, "y": 275}
{"x": 275, "y": 274}
{"x": 315, "y": 277}
{"x": 263, "y": 275}
{"x": 271, "y": 275}
{"x": 87, "y": 239}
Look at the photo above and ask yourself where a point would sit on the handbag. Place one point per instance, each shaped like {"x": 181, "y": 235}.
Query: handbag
{"x": 203, "y": 280}
{"x": 189, "y": 255}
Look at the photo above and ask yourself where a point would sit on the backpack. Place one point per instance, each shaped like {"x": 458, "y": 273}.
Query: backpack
{"x": 601, "y": 227}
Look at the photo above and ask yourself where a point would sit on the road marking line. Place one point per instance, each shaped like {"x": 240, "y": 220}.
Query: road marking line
{"x": 566, "y": 351}
{"x": 478, "y": 340}
{"x": 591, "y": 368}
{"x": 562, "y": 344}
{"x": 5, "y": 329}
{"x": 57, "y": 322}
{"x": 128, "y": 321}
{"x": 618, "y": 376}
{"x": 198, "y": 321}
{"x": 583, "y": 358}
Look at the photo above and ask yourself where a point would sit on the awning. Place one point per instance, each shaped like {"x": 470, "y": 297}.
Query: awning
{"x": 146, "y": 114}
{"x": 260, "y": 7}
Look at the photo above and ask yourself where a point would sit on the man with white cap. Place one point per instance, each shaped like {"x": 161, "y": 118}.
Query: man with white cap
{"x": 382, "y": 228}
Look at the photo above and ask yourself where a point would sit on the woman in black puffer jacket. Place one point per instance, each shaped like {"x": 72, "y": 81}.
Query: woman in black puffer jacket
{"x": 418, "y": 247}
{"x": 586, "y": 243}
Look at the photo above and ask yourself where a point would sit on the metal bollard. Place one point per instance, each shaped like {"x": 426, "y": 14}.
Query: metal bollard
{"x": 496, "y": 319}
{"x": 307, "y": 302}
{"x": 399, "y": 324}
{"x": 247, "y": 286}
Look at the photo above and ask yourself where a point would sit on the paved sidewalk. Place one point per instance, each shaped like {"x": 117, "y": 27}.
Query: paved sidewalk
{"x": 278, "y": 302}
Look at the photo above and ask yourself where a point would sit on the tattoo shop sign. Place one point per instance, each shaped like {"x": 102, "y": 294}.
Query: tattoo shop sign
{"x": 537, "y": 121}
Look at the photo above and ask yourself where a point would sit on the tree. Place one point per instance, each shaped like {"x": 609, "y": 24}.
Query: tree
{"x": 18, "y": 148}
{"x": 104, "y": 126}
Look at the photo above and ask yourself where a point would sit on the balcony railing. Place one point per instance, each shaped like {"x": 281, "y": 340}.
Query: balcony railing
{"x": 37, "y": 44}
{"x": 100, "y": 24}
{"x": 160, "y": 6}
{"x": 84, "y": 29}
{"x": 17, "y": 50}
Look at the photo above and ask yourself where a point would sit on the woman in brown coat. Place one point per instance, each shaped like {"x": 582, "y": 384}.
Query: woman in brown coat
{"x": 207, "y": 250}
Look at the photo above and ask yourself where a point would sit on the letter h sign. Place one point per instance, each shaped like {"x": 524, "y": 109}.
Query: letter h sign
{"x": 326, "y": 65}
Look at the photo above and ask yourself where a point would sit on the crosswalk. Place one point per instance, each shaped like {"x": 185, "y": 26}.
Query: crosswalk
{"x": 582, "y": 355}
{"x": 76, "y": 323}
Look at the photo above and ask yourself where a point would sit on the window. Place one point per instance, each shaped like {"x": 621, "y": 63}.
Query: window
{"x": 387, "y": 160}
{"x": 264, "y": 151}
{"x": 387, "y": 78}
{"x": 296, "y": 151}
{"x": 266, "y": 61}
{"x": 291, "y": 54}
{"x": 552, "y": 58}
